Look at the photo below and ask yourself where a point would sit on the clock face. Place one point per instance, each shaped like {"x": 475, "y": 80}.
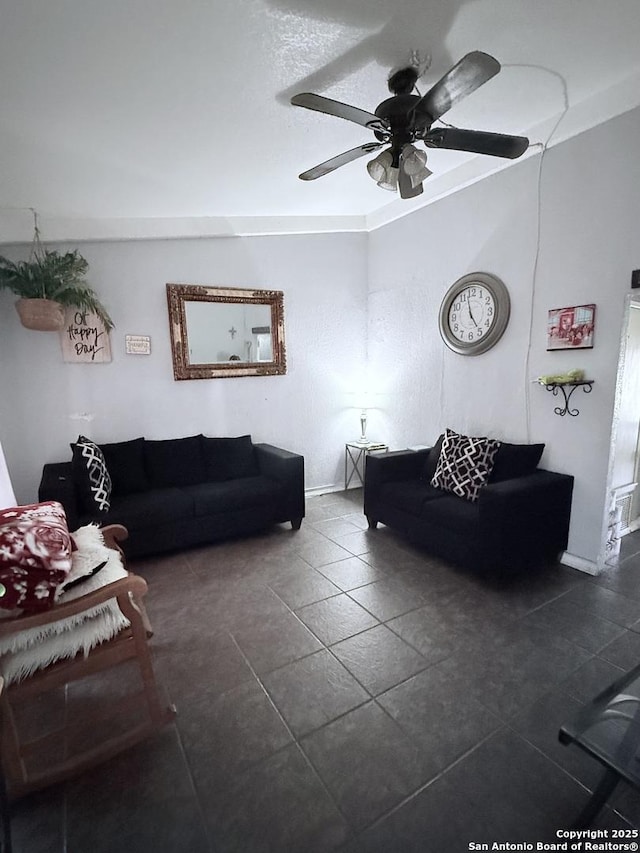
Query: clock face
{"x": 474, "y": 313}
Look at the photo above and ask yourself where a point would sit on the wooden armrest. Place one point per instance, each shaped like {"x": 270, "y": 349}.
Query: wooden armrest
{"x": 113, "y": 534}
{"x": 133, "y": 584}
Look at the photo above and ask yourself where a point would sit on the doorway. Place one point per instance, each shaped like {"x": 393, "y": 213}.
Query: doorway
{"x": 624, "y": 465}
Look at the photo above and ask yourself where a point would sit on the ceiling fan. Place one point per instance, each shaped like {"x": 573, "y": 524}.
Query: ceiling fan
{"x": 406, "y": 118}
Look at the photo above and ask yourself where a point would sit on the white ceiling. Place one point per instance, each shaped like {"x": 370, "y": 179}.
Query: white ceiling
{"x": 179, "y": 109}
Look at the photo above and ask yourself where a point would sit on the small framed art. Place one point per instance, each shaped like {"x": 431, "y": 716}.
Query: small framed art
{"x": 571, "y": 328}
{"x": 137, "y": 344}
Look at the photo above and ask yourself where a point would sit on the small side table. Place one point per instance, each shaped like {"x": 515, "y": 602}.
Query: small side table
{"x": 355, "y": 453}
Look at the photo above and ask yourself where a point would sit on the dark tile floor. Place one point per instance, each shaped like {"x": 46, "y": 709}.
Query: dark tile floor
{"x": 337, "y": 689}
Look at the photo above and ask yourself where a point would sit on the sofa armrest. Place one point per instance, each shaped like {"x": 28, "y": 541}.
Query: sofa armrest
{"x": 520, "y": 513}
{"x": 57, "y": 485}
{"x": 287, "y": 467}
{"x": 396, "y": 465}
{"x": 383, "y": 468}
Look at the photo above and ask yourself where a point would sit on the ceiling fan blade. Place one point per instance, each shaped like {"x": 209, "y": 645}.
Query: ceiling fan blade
{"x": 336, "y": 108}
{"x": 465, "y": 77}
{"x": 477, "y": 141}
{"x": 339, "y": 160}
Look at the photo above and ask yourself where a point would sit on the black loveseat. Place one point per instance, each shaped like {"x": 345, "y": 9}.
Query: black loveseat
{"x": 521, "y": 516}
{"x": 181, "y": 492}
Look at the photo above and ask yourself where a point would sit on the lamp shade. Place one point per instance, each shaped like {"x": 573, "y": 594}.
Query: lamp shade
{"x": 383, "y": 172}
{"x": 377, "y": 167}
{"x": 414, "y": 163}
{"x": 361, "y": 400}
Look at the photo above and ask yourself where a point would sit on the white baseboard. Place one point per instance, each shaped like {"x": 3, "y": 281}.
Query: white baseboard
{"x": 324, "y": 490}
{"x": 580, "y": 563}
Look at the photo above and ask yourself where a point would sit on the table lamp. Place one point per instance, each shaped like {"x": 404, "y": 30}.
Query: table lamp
{"x": 362, "y": 403}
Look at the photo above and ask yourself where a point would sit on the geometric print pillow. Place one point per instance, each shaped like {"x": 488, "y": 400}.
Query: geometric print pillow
{"x": 91, "y": 476}
{"x": 465, "y": 464}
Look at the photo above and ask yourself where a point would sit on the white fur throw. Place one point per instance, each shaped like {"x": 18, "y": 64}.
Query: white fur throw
{"x": 27, "y": 651}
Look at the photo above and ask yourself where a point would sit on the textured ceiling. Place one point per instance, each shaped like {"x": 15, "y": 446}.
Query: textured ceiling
{"x": 180, "y": 108}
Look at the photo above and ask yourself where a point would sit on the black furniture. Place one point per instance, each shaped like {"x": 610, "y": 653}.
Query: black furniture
{"x": 608, "y": 728}
{"x": 521, "y": 517}
{"x": 177, "y": 493}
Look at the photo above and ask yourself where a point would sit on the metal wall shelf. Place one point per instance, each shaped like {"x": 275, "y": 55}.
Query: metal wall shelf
{"x": 561, "y": 387}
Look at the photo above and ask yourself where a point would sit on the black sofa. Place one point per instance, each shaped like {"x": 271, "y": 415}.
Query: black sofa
{"x": 521, "y": 517}
{"x": 177, "y": 493}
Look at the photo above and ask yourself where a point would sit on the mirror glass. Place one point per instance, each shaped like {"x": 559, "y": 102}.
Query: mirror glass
{"x": 220, "y": 332}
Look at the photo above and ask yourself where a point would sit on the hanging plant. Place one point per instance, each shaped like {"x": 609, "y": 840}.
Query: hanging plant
{"x": 53, "y": 276}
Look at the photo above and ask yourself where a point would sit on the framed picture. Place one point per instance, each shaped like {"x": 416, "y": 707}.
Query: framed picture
{"x": 571, "y": 328}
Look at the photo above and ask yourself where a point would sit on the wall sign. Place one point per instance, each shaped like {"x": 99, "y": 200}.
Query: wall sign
{"x": 84, "y": 338}
{"x": 137, "y": 344}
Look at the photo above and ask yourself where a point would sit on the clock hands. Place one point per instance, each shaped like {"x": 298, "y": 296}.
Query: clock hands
{"x": 473, "y": 319}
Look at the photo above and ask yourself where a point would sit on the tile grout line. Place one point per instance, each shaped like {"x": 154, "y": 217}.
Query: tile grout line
{"x": 509, "y": 725}
{"x": 428, "y": 784}
{"x": 372, "y": 697}
{"x": 325, "y": 648}
{"x": 295, "y": 740}
{"x": 194, "y": 789}
{"x": 328, "y": 648}
{"x": 578, "y": 607}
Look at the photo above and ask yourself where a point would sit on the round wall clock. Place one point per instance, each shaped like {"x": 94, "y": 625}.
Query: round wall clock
{"x": 474, "y": 313}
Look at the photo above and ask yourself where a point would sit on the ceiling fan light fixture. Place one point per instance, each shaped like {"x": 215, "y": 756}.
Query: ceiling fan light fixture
{"x": 383, "y": 172}
{"x": 390, "y": 181}
{"x": 414, "y": 163}
{"x": 378, "y": 167}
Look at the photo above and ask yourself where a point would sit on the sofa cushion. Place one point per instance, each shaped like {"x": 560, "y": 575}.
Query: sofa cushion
{"x": 125, "y": 463}
{"x": 515, "y": 460}
{"x": 465, "y": 464}
{"x": 432, "y": 459}
{"x": 243, "y": 493}
{"x": 459, "y": 516}
{"x": 151, "y": 508}
{"x": 90, "y": 476}
{"x": 409, "y": 495}
{"x": 229, "y": 458}
{"x": 174, "y": 462}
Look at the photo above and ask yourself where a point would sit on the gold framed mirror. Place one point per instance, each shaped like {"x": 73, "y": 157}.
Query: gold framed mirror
{"x": 218, "y": 332}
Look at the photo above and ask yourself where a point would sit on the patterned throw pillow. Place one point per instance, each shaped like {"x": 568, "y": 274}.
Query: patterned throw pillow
{"x": 91, "y": 476}
{"x": 465, "y": 464}
{"x": 35, "y": 555}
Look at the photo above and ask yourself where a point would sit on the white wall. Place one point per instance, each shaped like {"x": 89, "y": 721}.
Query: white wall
{"x": 324, "y": 282}
{"x": 490, "y": 227}
{"x": 589, "y": 243}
